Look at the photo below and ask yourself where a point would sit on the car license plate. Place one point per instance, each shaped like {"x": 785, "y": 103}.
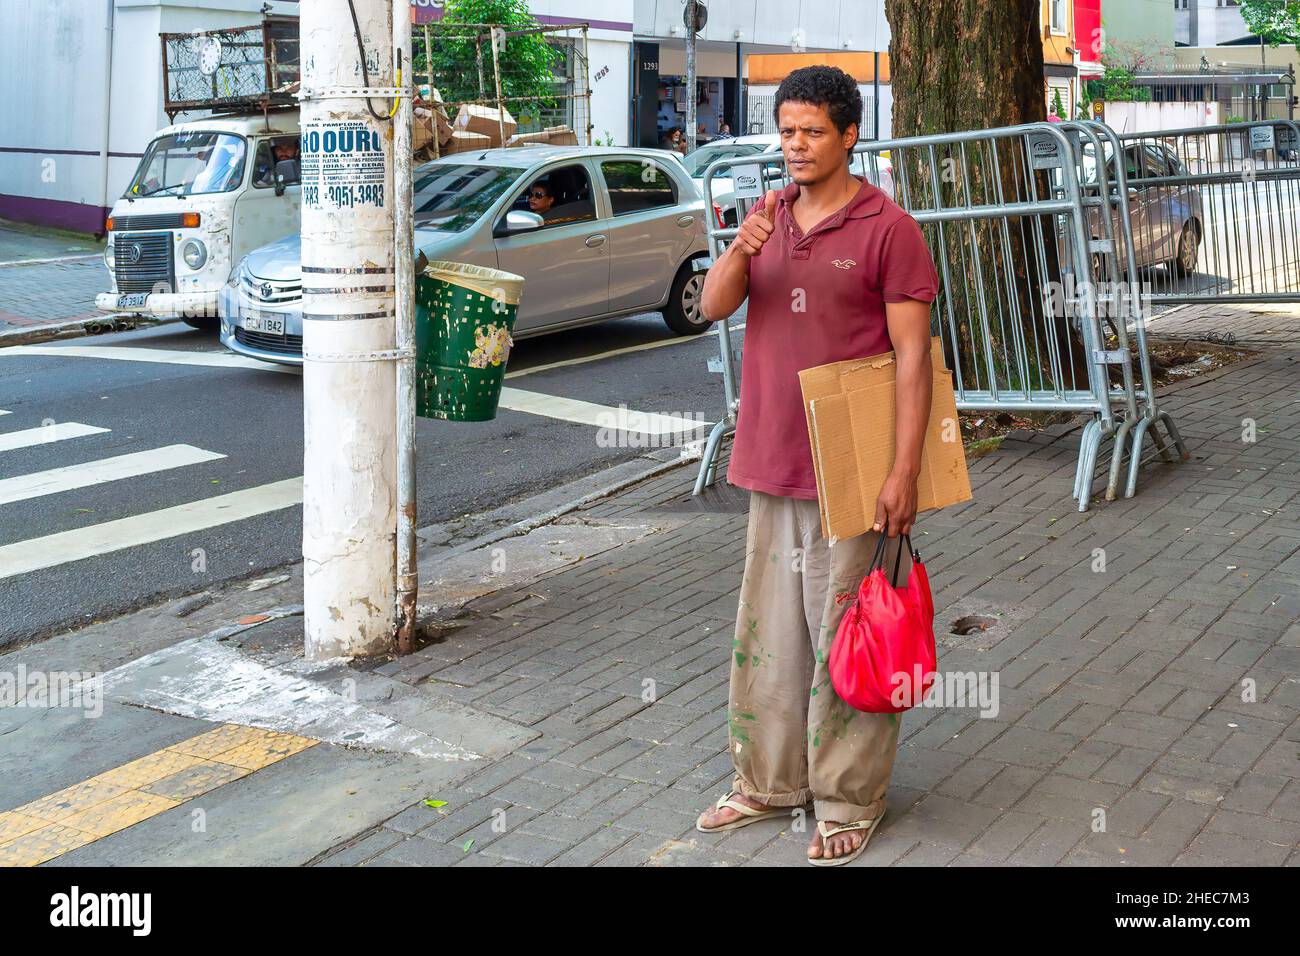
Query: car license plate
{"x": 133, "y": 300}
{"x": 267, "y": 324}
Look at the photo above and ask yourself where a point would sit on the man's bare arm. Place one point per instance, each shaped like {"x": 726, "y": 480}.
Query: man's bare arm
{"x": 909, "y": 330}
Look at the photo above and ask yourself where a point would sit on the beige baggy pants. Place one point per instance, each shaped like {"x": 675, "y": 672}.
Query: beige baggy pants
{"x": 792, "y": 738}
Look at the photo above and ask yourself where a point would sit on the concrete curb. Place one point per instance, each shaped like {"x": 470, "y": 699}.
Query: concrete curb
{"x": 16, "y": 263}
{"x": 76, "y": 328}
{"x": 525, "y": 525}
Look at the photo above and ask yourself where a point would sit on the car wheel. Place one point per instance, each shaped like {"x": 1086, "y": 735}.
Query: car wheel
{"x": 683, "y": 313}
{"x": 1188, "y": 251}
{"x": 204, "y": 323}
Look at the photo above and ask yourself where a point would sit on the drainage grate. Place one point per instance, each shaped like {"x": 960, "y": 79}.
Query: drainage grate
{"x": 718, "y": 498}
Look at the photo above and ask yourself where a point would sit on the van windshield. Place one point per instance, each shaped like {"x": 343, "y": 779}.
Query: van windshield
{"x": 451, "y": 197}
{"x": 187, "y": 164}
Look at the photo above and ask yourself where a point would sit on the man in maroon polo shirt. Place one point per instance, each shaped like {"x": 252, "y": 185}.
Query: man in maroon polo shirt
{"x": 833, "y": 270}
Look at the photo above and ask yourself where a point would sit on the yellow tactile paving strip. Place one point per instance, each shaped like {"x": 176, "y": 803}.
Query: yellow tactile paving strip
{"x": 85, "y": 812}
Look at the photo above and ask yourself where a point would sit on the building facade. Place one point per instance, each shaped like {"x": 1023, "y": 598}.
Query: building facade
{"x": 83, "y": 97}
{"x": 1060, "y": 74}
{"x": 1090, "y": 41}
{"x": 773, "y": 36}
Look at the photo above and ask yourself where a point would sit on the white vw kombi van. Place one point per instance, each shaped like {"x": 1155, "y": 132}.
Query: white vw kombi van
{"x": 206, "y": 192}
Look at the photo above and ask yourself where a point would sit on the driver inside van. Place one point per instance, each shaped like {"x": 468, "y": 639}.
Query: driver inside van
{"x": 281, "y": 150}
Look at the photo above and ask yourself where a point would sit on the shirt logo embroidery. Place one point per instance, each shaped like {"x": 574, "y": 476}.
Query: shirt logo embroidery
{"x": 843, "y": 263}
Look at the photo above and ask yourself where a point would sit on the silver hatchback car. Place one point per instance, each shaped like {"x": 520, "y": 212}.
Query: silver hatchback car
{"x": 596, "y": 232}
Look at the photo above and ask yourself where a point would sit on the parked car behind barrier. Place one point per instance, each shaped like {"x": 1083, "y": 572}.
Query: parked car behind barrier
{"x": 1167, "y": 216}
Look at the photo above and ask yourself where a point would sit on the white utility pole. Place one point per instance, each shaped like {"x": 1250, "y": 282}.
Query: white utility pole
{"x": 349, "y": 373}
{"x": 692, "y": 11}
{"x": 404, "y": 239}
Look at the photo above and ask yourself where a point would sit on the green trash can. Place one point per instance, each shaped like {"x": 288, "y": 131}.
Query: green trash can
{"x": 463, "y": 318}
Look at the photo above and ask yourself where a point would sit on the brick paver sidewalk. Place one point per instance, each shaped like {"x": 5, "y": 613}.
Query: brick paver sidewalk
{"x": 1147, "y": 712}
{"x": 47, "y": 279}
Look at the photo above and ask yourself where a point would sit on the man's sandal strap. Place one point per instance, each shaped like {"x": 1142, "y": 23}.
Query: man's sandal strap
{"x": 856, "y": 825}
{"x": 728, "y": 803}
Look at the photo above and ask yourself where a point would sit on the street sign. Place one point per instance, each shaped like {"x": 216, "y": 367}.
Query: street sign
{"x": 701, "y": 17}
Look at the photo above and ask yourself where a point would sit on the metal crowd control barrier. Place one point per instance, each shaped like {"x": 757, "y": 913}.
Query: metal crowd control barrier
{"x": 1215, "y": 211}
{"x": 1007, "y": 219}
{"x": 1121, "y": 300}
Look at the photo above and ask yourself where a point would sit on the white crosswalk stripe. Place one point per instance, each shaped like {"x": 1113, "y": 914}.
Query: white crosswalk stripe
{"x": 69, "y": 477}
{"x": 77, "y": 544}
{"x": 601, "y": 416}
{"x": 45, "y": 434}
{"x": 81, "y": 543}
{"x": 123, "y": 353}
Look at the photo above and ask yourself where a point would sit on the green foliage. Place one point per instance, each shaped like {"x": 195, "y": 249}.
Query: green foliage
{"x": 1277, "y": 21}
{"x": 527, "y": 63}
{"x": 1057, "y": 107}
{"x": 1116, "y": 86}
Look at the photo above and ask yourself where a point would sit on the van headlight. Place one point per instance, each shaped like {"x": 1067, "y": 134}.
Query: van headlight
{"x": 108, "y": 254}
{"x": 195, "y": 253}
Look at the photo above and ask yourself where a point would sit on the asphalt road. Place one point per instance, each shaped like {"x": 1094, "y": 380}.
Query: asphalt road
{"x": 252, "y": 418}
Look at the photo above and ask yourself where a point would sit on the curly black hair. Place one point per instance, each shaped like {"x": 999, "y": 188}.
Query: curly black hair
{"x": 826, "y": 86}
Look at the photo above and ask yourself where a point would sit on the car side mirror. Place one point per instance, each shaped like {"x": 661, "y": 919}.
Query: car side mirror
{"x": 286, "y": 174}
{"x": 520, "y": 220}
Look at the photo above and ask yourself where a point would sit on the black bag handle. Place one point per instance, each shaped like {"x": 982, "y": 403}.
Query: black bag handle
{"x": 879, "y": 557}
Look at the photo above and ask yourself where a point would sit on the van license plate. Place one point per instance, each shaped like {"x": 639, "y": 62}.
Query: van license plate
{"x": 133, "y": 300}
{"x": 265, "y": 324}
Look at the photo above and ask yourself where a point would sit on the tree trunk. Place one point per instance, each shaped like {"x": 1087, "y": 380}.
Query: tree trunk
{"x": 978, "y": 64}
{"x": 965, "y": 64}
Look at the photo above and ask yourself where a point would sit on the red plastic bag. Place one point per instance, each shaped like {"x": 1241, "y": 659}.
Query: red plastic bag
{"x": 883, "y": 658}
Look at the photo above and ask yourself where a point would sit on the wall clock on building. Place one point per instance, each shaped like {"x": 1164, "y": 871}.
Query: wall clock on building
{"x": 209, "y": 50}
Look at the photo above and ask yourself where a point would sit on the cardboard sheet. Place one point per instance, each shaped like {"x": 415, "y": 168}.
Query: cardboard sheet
{"x": 850, "y": 410}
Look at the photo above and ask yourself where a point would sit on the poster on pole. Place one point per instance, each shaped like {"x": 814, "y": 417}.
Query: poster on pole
{"x": 343, "y": 165}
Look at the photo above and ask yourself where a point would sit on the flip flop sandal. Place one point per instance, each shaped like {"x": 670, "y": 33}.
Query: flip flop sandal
{"x": 868, "y": 825}
{"x": 748, "y": 814}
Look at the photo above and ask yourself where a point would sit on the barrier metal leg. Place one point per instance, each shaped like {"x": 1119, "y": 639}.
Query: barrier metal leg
{"x": 1078, "y": 466}
{"x": 1179, "y": 445}
{"x": 709, "y": 463}
{"x": 1162, "y": 446}
{"x": 1117, "y": 455}
{"x": 1088, "y": 462}
{"x": 1135, "y": 459}
{"x": 1175, "y": 439}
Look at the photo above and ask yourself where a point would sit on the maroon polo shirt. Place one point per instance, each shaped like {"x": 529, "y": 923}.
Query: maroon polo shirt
{"x": 815, "y": 299}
